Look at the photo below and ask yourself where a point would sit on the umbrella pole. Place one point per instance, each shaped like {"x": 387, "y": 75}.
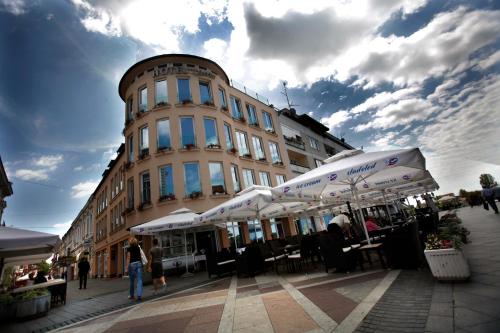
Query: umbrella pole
{"x": 387, "y": 207}
{"x": 355, "y": 191}
{"x": 187, "y": 274}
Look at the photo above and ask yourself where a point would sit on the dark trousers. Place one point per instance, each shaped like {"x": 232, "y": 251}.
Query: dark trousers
{"x": 493, "y": 204}
{"x": 83, "y": 280}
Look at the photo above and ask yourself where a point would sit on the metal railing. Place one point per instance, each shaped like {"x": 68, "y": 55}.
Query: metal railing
{"x": 249, "y": 92}
{"x": 299, "y": 168}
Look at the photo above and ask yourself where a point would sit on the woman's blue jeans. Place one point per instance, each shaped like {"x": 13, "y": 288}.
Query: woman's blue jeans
{"x": 135, "y": 271}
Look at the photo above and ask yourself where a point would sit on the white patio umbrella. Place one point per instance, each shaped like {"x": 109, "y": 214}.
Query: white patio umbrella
{"x": 16, "y": 242}
{"x": 179, "y": 219}
{"x": 374, "y": 167}
{"x": 255, "y": 202}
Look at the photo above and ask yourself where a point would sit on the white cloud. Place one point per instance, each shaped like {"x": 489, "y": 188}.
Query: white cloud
{"x": 28, "y": 174}
{"x": 109, "y": 154}
{"x": 490, "y": 61}
{"x": 84, "y": 189}
{"x": 63, "y": 225}
{"x": 51, "y": 162}
{"x": 335, "y": 119}
{"x": 16, "y": 7}
{"x": 385, "y": 98}
{"x": 78, "y": 168}
{"x": 402, "y": 112}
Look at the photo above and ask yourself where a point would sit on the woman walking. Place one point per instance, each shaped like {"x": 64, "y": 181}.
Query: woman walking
{"x": 134, "y": 263}
{"x": 156, "y": 267}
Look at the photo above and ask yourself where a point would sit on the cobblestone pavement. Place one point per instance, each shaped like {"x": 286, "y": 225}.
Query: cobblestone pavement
{"x": 316, "y": 302}
{"x": 101, "y": 296}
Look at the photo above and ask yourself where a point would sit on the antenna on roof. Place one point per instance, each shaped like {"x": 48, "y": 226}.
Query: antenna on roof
{"x": 285, "y": 92}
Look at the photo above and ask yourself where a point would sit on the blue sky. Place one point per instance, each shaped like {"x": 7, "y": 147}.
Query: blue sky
{"x": 384, "y": 75}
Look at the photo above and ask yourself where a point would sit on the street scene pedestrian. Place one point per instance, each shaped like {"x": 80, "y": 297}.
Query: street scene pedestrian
{"x": 83, "y": 272}
{"x": 134, "y": 264}
{"x": 489, "y": 191}
{"x": 156, "y": 267}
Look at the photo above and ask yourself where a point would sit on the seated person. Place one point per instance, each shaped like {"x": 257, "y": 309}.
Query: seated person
{"x": 370, "y": 224}
{"x": 40, "y": 277}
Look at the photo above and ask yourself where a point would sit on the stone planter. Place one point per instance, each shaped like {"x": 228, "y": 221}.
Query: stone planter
{"x": 7, "y": 312}
{"x": 33, "y": 307}
{"x": 448, "y": 264}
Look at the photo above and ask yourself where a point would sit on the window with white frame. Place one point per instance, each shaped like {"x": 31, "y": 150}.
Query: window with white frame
{"x": 206, "y": 93}
{"x": 236, "y": 108}
{"x": 228, "y": 135}
{"x": 145, "y": 188}
{"x": 144, "y": 141}
{"x": 163, "y": 140}
{"x": 130, "y": 144}
{"x": 252, "y": 115}
{"x": 258, "y": 148}
{"x": 318, "y": 162}
{"x": 275, "y": 153}
{"x": 280, "y": 179}
{"x": 235, "y": 176}
{"x": 268, "y": 121}
{"x": 242, "y": 141}
{"x": 166, "y": 183}
{"x": 313, "y": 143}
{"x": 161, "y": 93}
{"x": 183, "y": 91}
{"x": 255, "y": 230}
{"x": 248, "y": 178}
{"x": 217, "y": 178}
{"x": 143, "y": 99}
{"x": 265, "y": 179}
{"x": 192, "y": 183}
{"x": 222, "y": 98}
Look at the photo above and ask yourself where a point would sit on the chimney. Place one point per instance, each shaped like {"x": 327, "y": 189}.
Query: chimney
{"x": 292, "y": 111}
{"x": 342, "y": 139}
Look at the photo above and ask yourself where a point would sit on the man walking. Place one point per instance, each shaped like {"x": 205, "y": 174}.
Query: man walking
{"x": 83, "y": 271}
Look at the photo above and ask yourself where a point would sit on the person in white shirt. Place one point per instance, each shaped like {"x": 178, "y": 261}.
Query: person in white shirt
{"x": 343, "y": 222}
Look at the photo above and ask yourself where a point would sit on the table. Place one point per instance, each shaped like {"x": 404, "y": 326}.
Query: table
{"x": 374, "y": 247}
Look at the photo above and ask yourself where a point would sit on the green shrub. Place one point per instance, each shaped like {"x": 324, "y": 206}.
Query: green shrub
{"x": 6, "y": 298}
{"x": 34, "y": 293}
{"x": 7, "y": 278}
{"x": 451, "y": 234}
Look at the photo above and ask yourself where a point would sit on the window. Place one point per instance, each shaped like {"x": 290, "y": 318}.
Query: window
{"x": 258, "y": 149}
{"x": 314, "y": 143}
{"x": 145, "y": 188}
{"x": 206, "y": 93}
{"x": 275, "y": 153}
{"x": 292, "y": 137}
{"x": 192, "y": 183}
{"x": 211, "y": 137}
{"x": 222, "y": 98}
{"x": 130, "y": 193}
{"x": 280, "y": 179}
{"x": 129, "y": 108}
{"x": 248, "y": 178}
{"x": 217, "y": 178}
{"x": 183, "y": 91}
{"x": 235, "y": 176}
{"x": 241, "y": 138}
{"x": 130, "y": 142}
{"x": 235, "y": 234}
{"x": 236, "y": 108}
{"x": 163, "y": 134}
{"x": 144, "y": 141}
{"x": 265, "y": 179}
{"x": 255, "y": 230}
{"x": 188, "y": 139}
{"x": 143, "y": 99}
{"x": 318, "y": 163}
{"x": 268, "y": 122}
{"x": 161, "y": 93}
{"x": 166, "y": 183}
{"x": 252, "y": 115}
{"x": 277, "y": 229}
{"x": 330, "y": 151}
{"x": 228, "y": 135}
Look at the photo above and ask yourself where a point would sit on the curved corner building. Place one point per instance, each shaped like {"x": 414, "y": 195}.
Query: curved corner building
{"x": 191, "y": 140}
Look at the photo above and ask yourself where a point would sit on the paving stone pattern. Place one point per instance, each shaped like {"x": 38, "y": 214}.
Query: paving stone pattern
{"x": 404, "y": 307}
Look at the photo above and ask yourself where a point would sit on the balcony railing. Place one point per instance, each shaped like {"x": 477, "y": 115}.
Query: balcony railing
{"x": 295, "y": 142}
{"x": 249, "y": 92}
{"x": 298, "y": 168}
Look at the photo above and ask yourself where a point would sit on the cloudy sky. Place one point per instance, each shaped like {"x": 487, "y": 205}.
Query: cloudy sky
{"x": 383, "y": 74}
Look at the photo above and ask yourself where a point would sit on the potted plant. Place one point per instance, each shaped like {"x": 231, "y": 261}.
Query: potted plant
{"x": 167, "y": 197}
{"x": 278, "y": 163}
{"x": 224, "y": 108}
{"x": 443, "y": 250}
{"x": 32, "y": 303}
{"x": 262, "y": 159}
{"x": 164, "y": 149}
{"x": 233, "y": 150}
{"x": 189, "y": 146}
{"x": 270, "y": 130}
{"x": 247, "y": 155}
{"x": 128, "y": 165}
{"x": 7, "y": 308}
{"x": 187, "y": 101}
{"x": 160, "y": 104}
{"x": 209, "y": 103}
{"x": 195, "y": 195}
{"x": 213, "y": 146}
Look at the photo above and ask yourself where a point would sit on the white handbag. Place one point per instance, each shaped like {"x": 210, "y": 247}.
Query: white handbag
{"x": 144, "y": 259}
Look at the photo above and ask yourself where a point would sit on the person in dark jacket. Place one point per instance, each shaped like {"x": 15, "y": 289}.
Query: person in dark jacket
{"x": 83, "y": 271}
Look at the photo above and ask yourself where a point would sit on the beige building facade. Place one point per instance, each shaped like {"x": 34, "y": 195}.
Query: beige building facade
{"x": 191, "y": 140}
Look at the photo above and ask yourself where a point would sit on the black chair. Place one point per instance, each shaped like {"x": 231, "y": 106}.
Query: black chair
{"x": 223, "y": 262}
{"x": 335, "y": 254}
{"x": 250, "y": 262}
{"x": 269, "y": 257}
